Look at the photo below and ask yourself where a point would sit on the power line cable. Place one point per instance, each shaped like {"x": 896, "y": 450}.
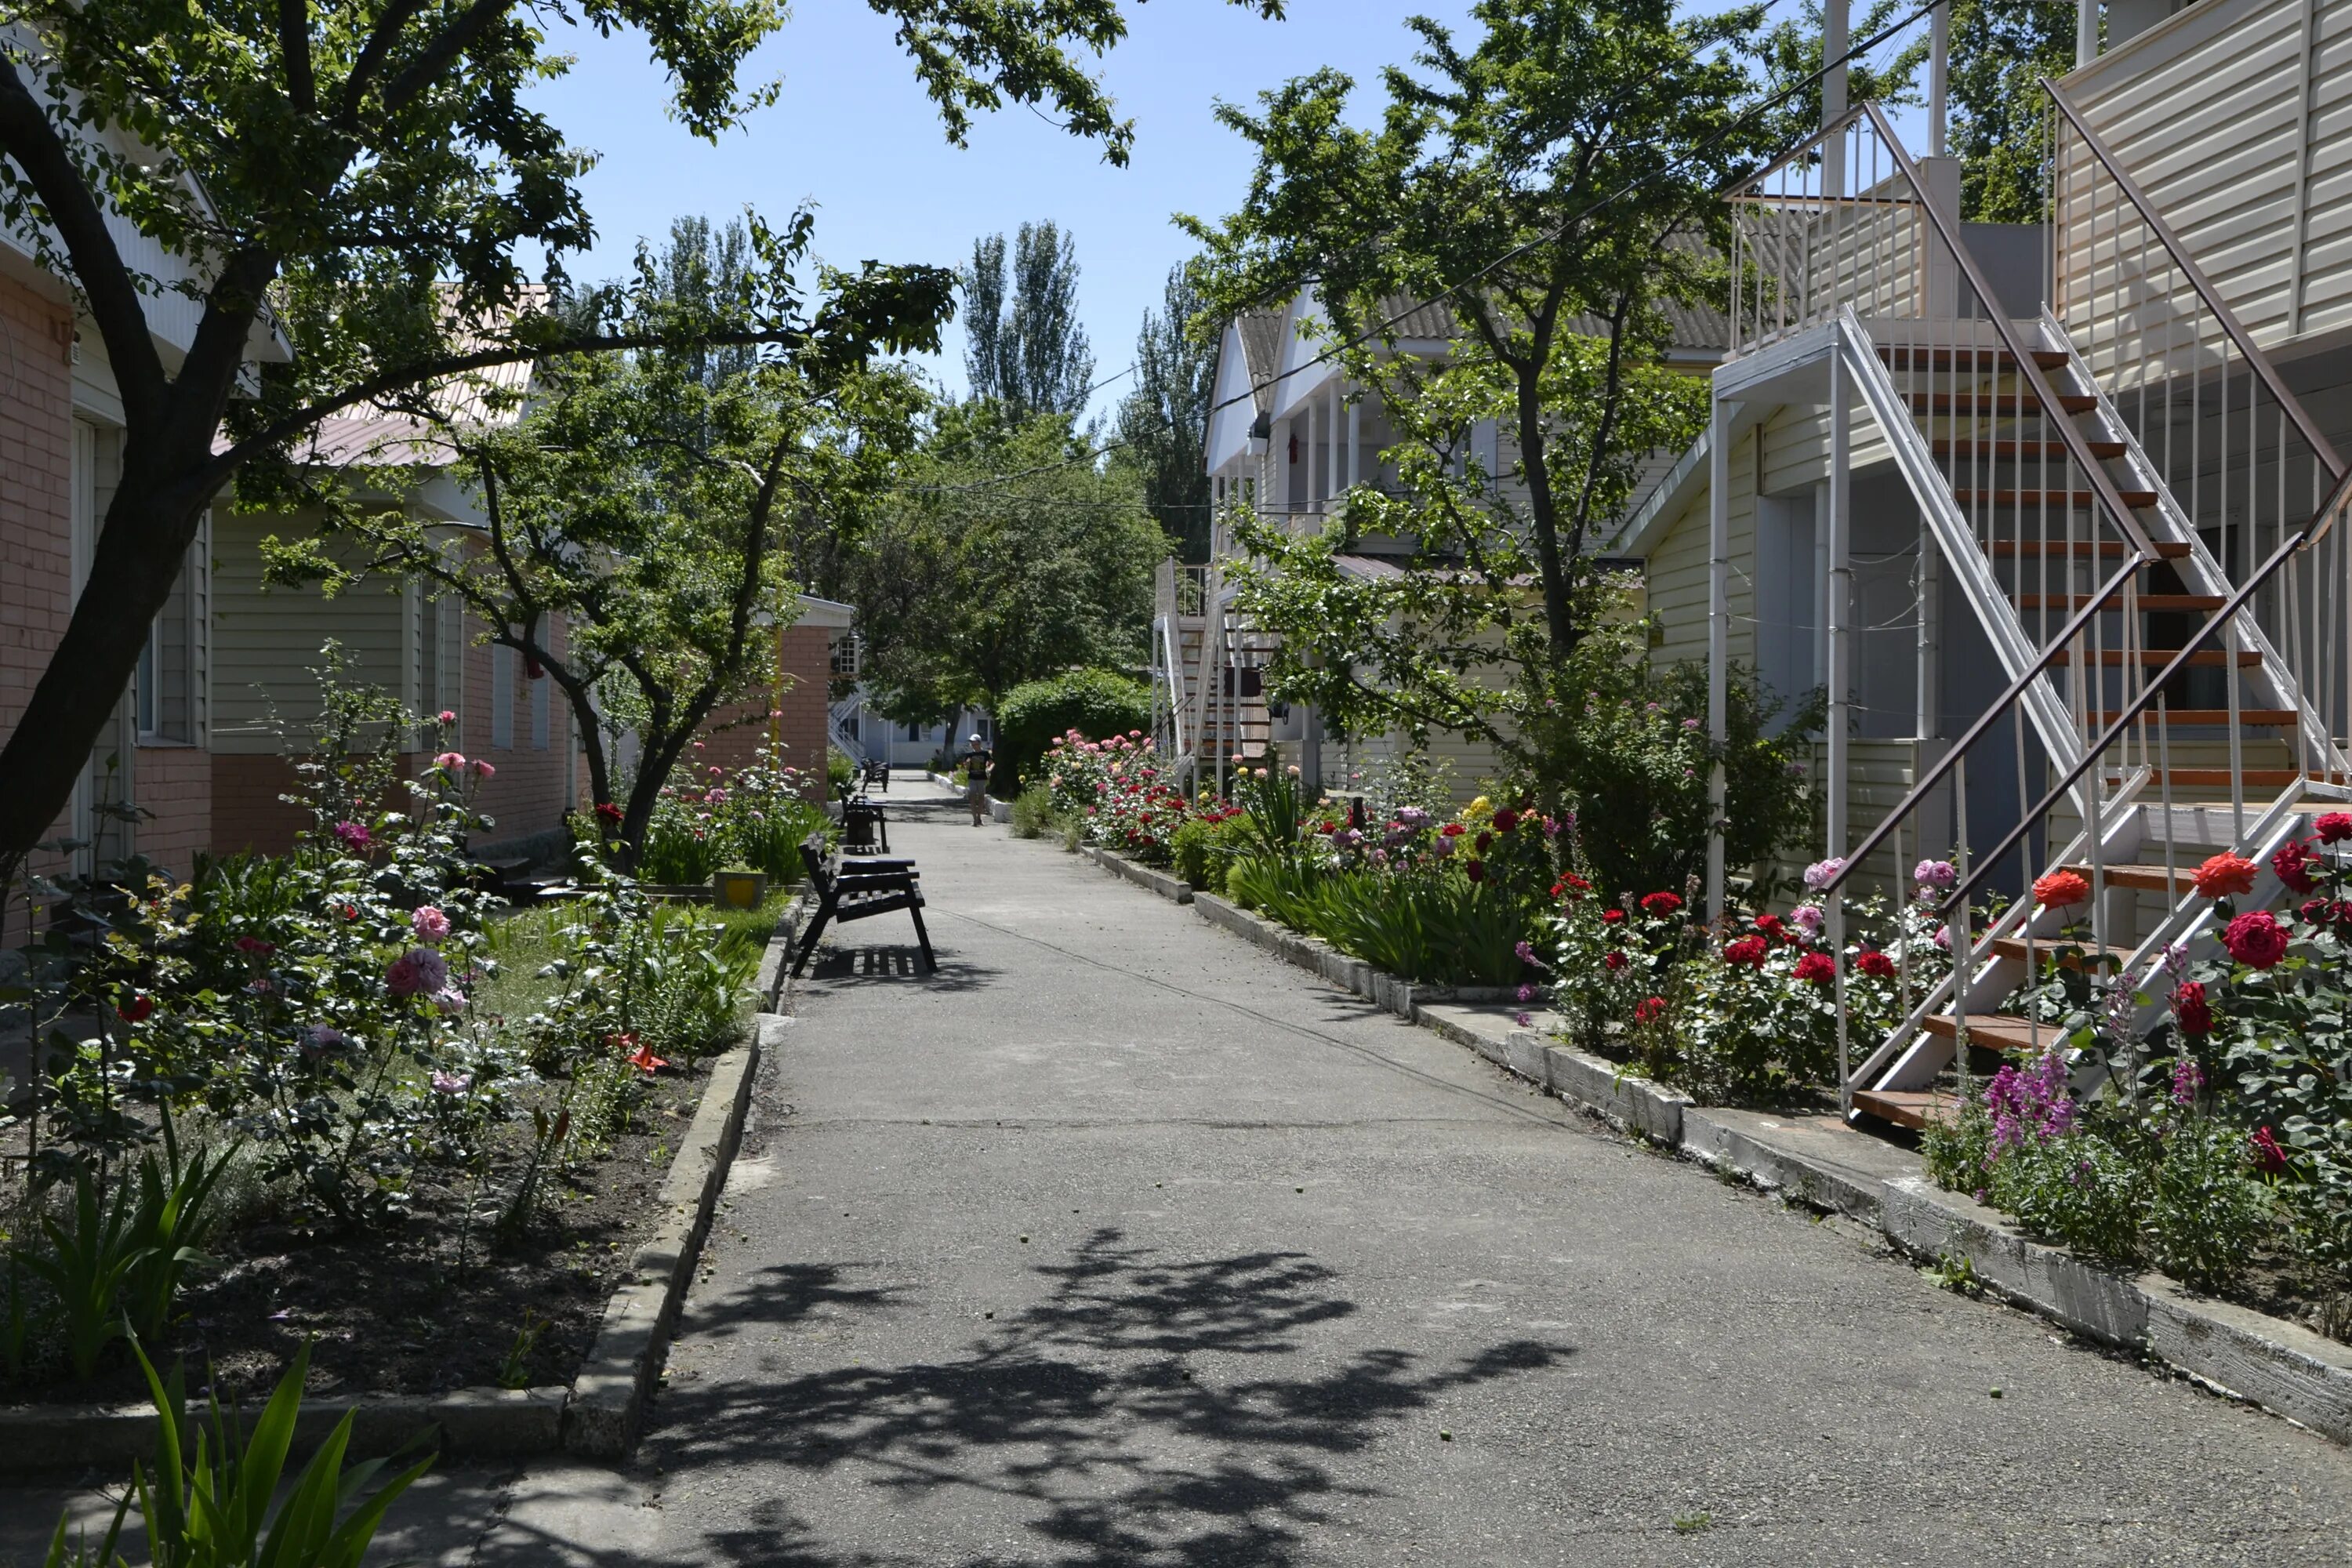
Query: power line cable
{"x": 1853, "y": 51}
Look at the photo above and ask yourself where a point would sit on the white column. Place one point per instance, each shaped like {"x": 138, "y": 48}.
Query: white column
{"x": 1718, "y": 634}
{"x": 1833, "y": 99}
{"x": 2087, "y": 31}
{"x": 1939, "y": 73}
{"x": 1355, "y": 440}
{"x": 1307, "y": 463}
{"x": 1841, "y": 601}
{"x": 1332, "y": 486}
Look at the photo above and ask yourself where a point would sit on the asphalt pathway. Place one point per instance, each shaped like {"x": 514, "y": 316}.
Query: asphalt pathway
{"x": 1118, "y": 1242}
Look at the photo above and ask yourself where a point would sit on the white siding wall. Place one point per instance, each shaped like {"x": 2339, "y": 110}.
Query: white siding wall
{"x": 266, "y": 642}
{"x": 2235, "y": 117}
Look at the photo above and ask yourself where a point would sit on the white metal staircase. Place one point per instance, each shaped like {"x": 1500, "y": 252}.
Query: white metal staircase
{"x": 1208, "y": 683}
{"x": 2139, "y": 515}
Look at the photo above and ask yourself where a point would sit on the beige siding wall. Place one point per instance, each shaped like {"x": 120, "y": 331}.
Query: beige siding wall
{"x": 266, "y": 641}
{"x": 2235, "y": 117}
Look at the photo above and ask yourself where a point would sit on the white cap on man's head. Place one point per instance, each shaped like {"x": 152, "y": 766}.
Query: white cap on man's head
{"x": 975, "y": 740}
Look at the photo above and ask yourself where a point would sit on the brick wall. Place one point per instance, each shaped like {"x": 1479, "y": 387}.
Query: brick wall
{"x": 245, "y": 809}
{"x": 175, "y": 784}
{"x": 36, "y": 493}
{"x": 524, "y": 793}
{"x": 797, "y": 718}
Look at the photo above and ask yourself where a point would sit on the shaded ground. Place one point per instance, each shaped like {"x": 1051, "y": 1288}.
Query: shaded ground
{"x": 1121, "y": 1242}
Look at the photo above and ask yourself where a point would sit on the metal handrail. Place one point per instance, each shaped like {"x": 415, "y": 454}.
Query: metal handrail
{"x": 2102, "y": 482}
{"x": 1818, "y": 138}
{"x": 2235, "y": 329}
{"x": 1982, "y": 867}
{"x": 1992, "y": 714}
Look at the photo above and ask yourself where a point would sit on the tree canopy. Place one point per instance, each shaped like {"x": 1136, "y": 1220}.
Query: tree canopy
{"x": 359, "y": 180}
{"x": 1006, "y": 552}
{"x": 1164, "y": 424}
{"x": 1025, "y": 348}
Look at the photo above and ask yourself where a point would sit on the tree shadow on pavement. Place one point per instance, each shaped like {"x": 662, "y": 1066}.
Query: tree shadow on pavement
{"x": 1080, "y": 1422}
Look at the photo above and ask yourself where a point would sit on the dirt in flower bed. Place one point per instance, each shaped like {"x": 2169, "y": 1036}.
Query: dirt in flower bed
{"x": 428, "y": 1305}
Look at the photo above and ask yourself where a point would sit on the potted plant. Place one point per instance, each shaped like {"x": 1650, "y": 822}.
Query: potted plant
{"x": 739, "y": 888}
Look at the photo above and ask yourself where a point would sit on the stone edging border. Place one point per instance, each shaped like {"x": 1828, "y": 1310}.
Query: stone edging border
{"x": 600, "y": 1414}
{"x": 2269, "y": 1361}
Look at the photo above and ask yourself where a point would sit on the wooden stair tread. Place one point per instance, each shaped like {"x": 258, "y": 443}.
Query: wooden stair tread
{"x": 2151, "y": 603}
{"x": 1904, "y": 356}
{"x": 2156, "y": 657}
{"x": 2003, "y": 449}
{"x": 2269, "y": 718}
{"x": 2256, "y": 778}
{"x": 1999, "y": 404}
{"x": 2145, "y": 878}
{"x": 2077, "y": 500}
{"x": 1913, "y": 1109}
{"x": 2001, "y": 1031}
{"x": 2165, "y": 550}
{"x": 2014, "y": 947}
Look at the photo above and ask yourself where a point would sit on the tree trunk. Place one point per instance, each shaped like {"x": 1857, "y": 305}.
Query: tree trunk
{"x": 138, "y": 555}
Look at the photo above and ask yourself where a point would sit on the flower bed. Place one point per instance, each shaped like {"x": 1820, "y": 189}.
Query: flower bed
{"x": 1117, "y": 790}
{"x": 343, "y": 1093}
{"x": 710, "y": 820}
{"x": 2215, "y": 1145}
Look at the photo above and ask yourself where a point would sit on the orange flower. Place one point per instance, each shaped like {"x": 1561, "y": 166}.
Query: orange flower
{"x": 2224, "y": 874}
{"x": 2060, "y": 888}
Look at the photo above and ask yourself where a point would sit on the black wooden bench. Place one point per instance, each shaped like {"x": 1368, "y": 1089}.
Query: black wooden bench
{"x": 877, "y": 775}
{"x": 858, "y": 890}
{"x": 864, "y": 829}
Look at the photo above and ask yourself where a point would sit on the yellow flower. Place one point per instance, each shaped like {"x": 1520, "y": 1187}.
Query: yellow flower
{"x": 1479, "y": 807}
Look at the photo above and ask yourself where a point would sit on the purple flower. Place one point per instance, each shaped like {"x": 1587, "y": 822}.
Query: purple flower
{"x": 321, "y": 1039}
{"x": 1526, "y": 952}
{"x": 2188, "y": 1077}
{"x": 1527, "y": 993}
{"x": 355, "y": 837}
{"x": 419, "y": 972}
{"x": 1821, "y": 873}
{"x": 1808, "y": 916}
{"x": 1521, "y": 1019}
{"x": 1936, "y": 874}
{"x": 2032, "y": 1103}
{"x": 452, "y": 1082}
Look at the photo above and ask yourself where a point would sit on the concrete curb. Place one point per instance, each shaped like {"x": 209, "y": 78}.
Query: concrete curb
{"x": 1167, "y": 884}
{"x": 774, "y": 962}
{"x": 476, "y": 1422}
{"x": 998, "y": 810}
{"x": 2281, "y": 1366}
{"x": 609, "y": 1395}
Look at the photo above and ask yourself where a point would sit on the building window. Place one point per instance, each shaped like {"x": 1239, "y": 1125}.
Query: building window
{"x": 165, "y": 689}
{"x": 502, "y": 685}
{"x": 845, "y": 657}
{"x": 539, "y": 713}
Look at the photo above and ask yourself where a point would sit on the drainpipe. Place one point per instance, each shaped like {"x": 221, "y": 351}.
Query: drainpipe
{"x": 1718, "y": 636}
{"x": 1841, "y": 598}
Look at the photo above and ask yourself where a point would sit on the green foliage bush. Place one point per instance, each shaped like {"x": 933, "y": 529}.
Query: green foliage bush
{"x": 1097, "y": 703}
{"x": 1032, "y": 812}
{"x": 1204, "y": 848}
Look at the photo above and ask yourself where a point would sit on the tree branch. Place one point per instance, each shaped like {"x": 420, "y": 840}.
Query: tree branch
{"x": 372, "y": 54}
{"x": 294, "y": 44}
{"x": 27, "y": 136}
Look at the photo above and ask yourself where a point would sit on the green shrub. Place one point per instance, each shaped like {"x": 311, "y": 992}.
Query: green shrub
{"x": 839, "y": 771}
{"x": 1204, "y": 848}
{"x": 1032, "y": 812}
{"x": 1097, "y": 703}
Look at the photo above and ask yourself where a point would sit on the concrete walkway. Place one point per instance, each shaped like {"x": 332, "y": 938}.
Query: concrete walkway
{"x": 1121, "y": 1243}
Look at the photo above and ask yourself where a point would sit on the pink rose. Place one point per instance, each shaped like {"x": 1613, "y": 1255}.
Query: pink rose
{"x": 448, "y": 716}
{"x": 429, "y": 924}
{"x": 451, "y": 761}
{"x": 483, "y": 769}
{"x": 419, "y": 972}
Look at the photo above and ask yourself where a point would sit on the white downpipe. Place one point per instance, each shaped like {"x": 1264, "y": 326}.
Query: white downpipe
{"x": 1718, "y": 636}
{"x": 1840, "y": 609}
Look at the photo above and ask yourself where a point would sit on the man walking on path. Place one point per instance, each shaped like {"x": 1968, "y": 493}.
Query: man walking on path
{"x": 975, "y": 763}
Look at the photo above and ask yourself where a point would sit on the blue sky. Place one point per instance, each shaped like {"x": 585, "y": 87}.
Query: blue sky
{"x": 854, "y": 134}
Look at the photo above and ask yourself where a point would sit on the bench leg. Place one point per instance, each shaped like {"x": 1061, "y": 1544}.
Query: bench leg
{"x": 923, "y": 940}
{"x": 808, "y": 941}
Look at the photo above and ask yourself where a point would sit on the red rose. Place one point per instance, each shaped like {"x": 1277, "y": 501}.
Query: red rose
{"x": 1817, "y": 968}
{"x": 1773, "y": 926}
{"x": 1660, "y": 904}
{"x": 1484, "y": 842}
{"x": 608, "y": 811}
{"x": 2334, "y": 827}
{"x": 2222, "y": 875}
{"x": 2189, "y": 1009}
{"x": 2293, "y": 863}
{"x": 2060, "y": 888}
{"x": 1476, "y": 871}
{"x": 136, "y": 1010}
{"x": 1506, "y": 820}
{"x": 1613, "y": 917}
{"x": 2268, "y": 1155}
{"x": 1872, "y": 962}
{"x": 1453, "y": 830}
{"x": 2255, "y": 940}
{"x": 1651, "y": 1009}
{"x": 1749, "y": 951}
{"x": 1614, "y": 958}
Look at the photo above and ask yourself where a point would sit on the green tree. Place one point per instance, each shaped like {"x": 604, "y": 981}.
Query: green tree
{"x": 1026, "y": 348}
{"x": 1007, "y": 553}
{"x": 1484, "y": 186}
{"x": 361, "y": 178}
{"x": 1790, "y": 53}
{"x": 2000, "y": 52}
{"x": 644, "y": 503}
{"x": 1164, "y": 422}
{"x": 1556, "y": 185}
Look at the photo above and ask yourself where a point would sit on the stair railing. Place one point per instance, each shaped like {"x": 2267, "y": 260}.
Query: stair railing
{"x": 2239, "y": 463}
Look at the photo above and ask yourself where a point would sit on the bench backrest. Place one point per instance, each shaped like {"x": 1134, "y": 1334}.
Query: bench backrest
{"x": 813, "y": 857}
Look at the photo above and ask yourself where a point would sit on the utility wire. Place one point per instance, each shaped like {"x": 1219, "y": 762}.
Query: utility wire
{"x": 1854, "y": 51}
